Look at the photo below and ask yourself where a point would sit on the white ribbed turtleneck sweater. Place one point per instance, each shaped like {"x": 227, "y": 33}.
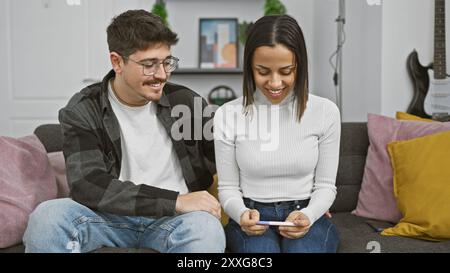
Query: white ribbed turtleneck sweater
{"x": 268, "y": 156}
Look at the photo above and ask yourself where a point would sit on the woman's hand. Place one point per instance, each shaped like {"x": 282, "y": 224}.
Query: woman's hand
{"x": 248, "y": 223}
{"x": 301, "y": 222}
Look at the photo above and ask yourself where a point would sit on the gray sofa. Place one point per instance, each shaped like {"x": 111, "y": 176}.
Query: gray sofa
{"x": 356, "y": 235}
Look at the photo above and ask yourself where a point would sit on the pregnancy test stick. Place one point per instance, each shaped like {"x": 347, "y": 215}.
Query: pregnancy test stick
{"x": 275, "y": 223}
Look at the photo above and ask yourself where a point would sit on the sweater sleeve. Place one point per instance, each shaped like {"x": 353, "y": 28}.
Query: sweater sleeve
{"x": 324, "y": 188}
{"x": 230, "y": 193}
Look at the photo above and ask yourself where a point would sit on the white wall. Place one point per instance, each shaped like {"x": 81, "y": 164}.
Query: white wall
{"x": 361, "y": 65}
{"x": 371, "y": 65}
{"x": 379, "y": 39}
{"x": 48, "y": 50}
{"x": 361, "y": 56}
{"x": 5, "y": 127}
{"x": 324, "y": 41}
{"x": 303, "y": 12}
{"x": 100, "y": 14}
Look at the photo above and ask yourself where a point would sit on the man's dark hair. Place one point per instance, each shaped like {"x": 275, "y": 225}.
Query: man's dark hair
{"x": 270, "y": 31}
{"x": 136, "y": 30}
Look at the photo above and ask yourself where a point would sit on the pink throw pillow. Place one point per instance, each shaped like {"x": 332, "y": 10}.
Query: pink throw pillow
{"x": 376, "y": 198}
{"x": 26, "y": 180}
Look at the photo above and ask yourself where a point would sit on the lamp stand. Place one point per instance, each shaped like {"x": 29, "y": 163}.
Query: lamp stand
{"x": 340, "y": 42}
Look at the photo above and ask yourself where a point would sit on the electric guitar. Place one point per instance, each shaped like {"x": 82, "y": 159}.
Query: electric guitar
{"x": 431, "y": 82}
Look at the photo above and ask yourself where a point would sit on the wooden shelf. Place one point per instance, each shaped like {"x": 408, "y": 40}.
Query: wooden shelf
{"x": 211, "y": 71}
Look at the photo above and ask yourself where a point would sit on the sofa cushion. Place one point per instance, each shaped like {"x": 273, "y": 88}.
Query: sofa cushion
{"x": 13, "y": 249}
{"x": 376, "y": 199}
{"x": 358, "y": 237}
{"x": 26, "y": 180}
{"x": 352, "y": 158}
{"x": 421, "y": 186}
{"x": 213, "y": 190}
{"x": 51, "y": 136}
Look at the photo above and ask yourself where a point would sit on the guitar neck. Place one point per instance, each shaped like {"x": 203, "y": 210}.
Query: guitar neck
{"x": 439, "y": 63}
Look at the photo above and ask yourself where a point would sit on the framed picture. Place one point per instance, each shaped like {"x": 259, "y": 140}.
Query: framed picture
{"x": 218, "y": 43}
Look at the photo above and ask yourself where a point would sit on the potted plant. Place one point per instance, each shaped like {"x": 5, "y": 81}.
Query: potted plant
{"x": 274, "y": 7}
{"x": 271, "y": 7}
{"x": 159, "y": 8}
{"x": 243, "y": 28}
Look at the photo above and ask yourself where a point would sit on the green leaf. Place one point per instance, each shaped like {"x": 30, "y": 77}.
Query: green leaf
{"x": 274, "y": 7}
{"x": 243, "y": 29}
{"x": 160, "y": 10}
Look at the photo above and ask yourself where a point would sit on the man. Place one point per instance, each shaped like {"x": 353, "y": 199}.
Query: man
{"x": 133, "y": 184}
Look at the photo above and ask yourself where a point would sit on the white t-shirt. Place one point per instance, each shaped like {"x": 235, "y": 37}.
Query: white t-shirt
{"x": 148, "y": 156}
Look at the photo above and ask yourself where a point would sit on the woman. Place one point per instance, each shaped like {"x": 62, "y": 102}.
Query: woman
{"x": 277, "y": 148}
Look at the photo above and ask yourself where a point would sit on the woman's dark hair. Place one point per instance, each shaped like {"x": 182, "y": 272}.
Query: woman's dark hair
{"x": 136, "y": 30}
{"x": 270, "y": 31}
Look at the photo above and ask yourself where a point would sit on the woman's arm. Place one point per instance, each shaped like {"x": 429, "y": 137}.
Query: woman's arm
{"x": 324, "y": 188}
{"x": 230, "y": 193}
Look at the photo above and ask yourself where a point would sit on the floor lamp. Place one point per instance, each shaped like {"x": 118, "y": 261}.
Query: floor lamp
{"x": 337, "y": 78}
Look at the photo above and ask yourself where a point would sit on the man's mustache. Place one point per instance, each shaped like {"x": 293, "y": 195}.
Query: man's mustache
{"x": 154, "y": 82}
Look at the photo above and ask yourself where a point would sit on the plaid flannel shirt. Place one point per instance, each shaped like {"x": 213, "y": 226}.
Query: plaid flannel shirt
{"x": 92, "y": 149}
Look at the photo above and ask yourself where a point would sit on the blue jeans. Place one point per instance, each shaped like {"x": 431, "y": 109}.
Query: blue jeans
{"x": 63, "y": 225}
{"x": 321, "y": 237}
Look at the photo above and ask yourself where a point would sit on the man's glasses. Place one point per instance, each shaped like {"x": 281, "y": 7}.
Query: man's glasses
{"x": 150, "y": 68}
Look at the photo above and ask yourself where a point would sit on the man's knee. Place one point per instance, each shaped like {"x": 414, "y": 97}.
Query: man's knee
{"x": 48, "y": 221}
{"x": 52, "y": 211}
{"x": 207, "y": 230}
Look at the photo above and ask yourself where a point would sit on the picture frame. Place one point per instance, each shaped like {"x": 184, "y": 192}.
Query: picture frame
{"x": 218, "y": 43}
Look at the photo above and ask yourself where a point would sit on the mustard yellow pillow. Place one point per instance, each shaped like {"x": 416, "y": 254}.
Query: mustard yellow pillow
{"x": 421, "y": 168}
{"x": 214, "y": 192}
{"x": 406, "y": 116}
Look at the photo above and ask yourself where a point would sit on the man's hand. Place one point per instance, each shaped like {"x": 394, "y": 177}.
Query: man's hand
{"x": 196, "y": 201}
{"x": 301, "y": 222}
{"x": 248, "y": 223}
